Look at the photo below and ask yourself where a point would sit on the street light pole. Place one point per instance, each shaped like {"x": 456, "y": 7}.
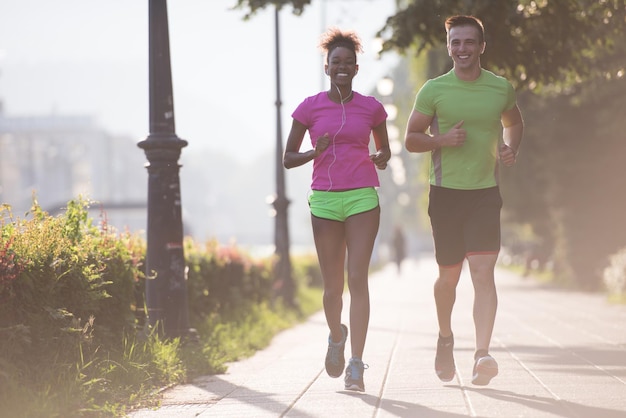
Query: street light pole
{"x": 166, "y": 287}
{"x": 283, "y": 271}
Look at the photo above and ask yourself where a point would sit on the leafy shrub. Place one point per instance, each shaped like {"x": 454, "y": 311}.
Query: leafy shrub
{"x": 10, "y": 268}
{"x": 69, "y": 294}
{"x": 70, "y": 271}
{"x": 224, "y": 280}
{"x": 306, "y": 269}
{"x": 72, "y": 340}
{"x": 614, "y": 276}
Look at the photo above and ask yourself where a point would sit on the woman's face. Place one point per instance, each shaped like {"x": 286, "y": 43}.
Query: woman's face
{"x": 342, "y": 66}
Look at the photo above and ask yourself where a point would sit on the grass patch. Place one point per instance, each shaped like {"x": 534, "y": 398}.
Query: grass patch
{"x": 224, "y": 340}
{"x": 618, "y": 299}
{"x": 73, "y": 340}
{"x": 111, "y": 384}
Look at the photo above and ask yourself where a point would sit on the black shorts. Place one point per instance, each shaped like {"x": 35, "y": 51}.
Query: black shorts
{"x": 464, "y": 222}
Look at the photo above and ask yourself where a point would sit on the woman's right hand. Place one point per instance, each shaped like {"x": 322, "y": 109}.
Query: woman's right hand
{"x": 321, "y": 144}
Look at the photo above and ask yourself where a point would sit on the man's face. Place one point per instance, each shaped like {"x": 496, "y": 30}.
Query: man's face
{"x": 464, "y": 46}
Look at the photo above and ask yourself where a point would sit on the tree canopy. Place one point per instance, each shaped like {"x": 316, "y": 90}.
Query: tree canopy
{"x": 534, "y": 43}
{"x": 253, "y": 6}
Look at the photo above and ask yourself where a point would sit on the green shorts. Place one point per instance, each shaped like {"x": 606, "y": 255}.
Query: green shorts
{"x": 338, "y": 206}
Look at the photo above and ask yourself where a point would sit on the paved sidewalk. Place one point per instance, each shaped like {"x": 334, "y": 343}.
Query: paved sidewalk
{"x": 561, "y": 354}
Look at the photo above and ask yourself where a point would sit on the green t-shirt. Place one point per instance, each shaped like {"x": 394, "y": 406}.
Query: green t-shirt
{"x": 480, "y": 103}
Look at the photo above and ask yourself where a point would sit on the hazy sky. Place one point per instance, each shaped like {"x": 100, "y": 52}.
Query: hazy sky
{"x": 89, "y": 57}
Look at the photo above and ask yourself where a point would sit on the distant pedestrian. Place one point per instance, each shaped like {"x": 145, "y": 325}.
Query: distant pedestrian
{"x": 345, "y": 211}
{"x": 466, "y": 110}
{"x": 399, "y": 247}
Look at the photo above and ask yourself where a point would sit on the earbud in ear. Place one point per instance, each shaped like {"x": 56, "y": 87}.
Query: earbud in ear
{"x": 326, "y": 71}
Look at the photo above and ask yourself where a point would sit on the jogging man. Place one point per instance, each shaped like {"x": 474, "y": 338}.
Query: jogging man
{"x": 467, "y": 119}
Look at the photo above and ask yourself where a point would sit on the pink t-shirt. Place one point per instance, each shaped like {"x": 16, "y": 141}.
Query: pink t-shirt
{"x": 345, "y": 164}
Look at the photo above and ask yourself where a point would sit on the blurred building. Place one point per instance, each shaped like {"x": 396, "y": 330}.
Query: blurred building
{"x": 57, "y": 158}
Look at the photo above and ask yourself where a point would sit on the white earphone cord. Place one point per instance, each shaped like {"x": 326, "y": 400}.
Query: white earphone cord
{"x": 343, "y": 122}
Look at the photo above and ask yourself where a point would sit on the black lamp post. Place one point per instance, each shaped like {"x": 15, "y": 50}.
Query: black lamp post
{"x": 166, "y": 287}
{"x": 283, "y": 271}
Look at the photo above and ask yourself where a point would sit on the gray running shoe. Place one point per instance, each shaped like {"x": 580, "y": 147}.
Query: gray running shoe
{"x": 354, "y": 375}
{"x": 335, "y": 360}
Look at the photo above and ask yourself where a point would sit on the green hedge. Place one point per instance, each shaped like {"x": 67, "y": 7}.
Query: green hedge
{"x": 72, "y": 284}
{"x": 223, "y": 279}
{"x": 72, "y": 334}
